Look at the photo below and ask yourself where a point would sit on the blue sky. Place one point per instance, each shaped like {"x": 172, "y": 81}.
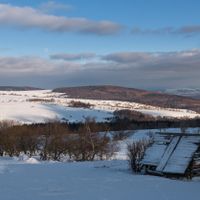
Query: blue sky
{"x": 147, "y": 44}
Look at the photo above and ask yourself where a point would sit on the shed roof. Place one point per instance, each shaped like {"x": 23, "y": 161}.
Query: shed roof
{"x": 171, "y": 152}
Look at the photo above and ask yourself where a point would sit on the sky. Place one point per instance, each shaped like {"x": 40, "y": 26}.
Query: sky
{"x": 142, "y": 44}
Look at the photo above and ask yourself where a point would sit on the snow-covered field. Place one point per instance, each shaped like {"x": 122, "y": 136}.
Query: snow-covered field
{"x": 15, "y": 105}
{"x": 32, "y": 179}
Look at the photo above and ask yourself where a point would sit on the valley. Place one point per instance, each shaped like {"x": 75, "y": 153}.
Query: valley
{"x": 36, "y": 106}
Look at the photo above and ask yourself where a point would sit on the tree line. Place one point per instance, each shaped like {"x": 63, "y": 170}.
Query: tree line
{"x": 53, "y": 141}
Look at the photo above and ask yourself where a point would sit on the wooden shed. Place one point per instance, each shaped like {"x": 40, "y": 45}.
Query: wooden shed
{"x": 173, "y": 154}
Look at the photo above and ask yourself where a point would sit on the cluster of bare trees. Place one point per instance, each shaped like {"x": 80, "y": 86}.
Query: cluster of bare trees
{"x": 134, "y": 120}
{"x": 41, "y": 100}
{"x": 79, "y": 104}
{"x": 53, "y": 141}
{"x": 134, "y": 115}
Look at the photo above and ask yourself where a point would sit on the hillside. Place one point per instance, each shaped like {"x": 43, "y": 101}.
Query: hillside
{"x": 111, "y": 92}
{"x": 13, "y": 88}
{"x": 36, "y": 106}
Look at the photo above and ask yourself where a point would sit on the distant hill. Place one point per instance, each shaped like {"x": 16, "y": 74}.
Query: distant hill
{"x": 112, "y": 92}
{"x": 13, "y": 88}
{"x": 194, "y": 93}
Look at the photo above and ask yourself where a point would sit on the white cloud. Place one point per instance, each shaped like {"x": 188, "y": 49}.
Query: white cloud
{"x": 28, "y": 18}
{"x": 51, "y": 6}
{"x": 72, "y": 57}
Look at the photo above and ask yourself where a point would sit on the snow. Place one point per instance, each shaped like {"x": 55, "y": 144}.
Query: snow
{"x": 167, "y": 154}
{"x": 30, "y": 178}
{"x": 169, "y": 113}
{"x": 26, "y": 159}
{"x": 15, "y": 105}
{"x": 182, "y": 155}
{"x": 89, "y": 181}
{"x": 39, "y": 112}
{"x": 143, "y": 134}
{"x": 22, "y": 178}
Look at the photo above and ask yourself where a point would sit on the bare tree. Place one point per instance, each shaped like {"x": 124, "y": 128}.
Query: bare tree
{"x": 184, "y": 125}
{"x": 91, "y": 144}
{"x": 8, "y": 140}
{"x": 135, "y": 151}
{"x": 150, "y": 134}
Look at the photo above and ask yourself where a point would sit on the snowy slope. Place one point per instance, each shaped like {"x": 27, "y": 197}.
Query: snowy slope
{"x": 88, "y": 181}
{"x": 15, "y": 105}
{"x": 32, "y": 179}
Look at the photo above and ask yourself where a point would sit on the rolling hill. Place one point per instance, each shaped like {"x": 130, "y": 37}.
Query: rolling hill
{"x": 112, "y": 92}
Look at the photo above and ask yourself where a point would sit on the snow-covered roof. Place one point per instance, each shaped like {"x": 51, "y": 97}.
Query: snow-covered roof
{"x": 171, "y": 152}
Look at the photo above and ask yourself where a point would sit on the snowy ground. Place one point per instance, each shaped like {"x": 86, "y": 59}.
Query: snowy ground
{"x": 32, "y": 179}
{"x": 14, "y": 105}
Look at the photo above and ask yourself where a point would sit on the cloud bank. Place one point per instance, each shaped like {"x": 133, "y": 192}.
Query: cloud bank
{"x": 184, "y": 30}
{"x": 132, "y": 69}
{"x": 126, "y": 57}
{"x": 28, "y": 18}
